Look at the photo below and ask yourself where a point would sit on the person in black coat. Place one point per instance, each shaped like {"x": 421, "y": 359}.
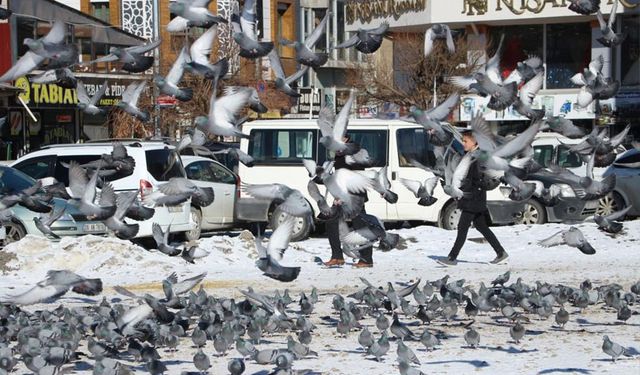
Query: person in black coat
{"x": 473, "y": 205}
{"x": 332, "y": 222}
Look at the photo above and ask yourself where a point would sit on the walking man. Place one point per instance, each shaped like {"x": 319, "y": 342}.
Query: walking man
{"x": 473, "y": 205}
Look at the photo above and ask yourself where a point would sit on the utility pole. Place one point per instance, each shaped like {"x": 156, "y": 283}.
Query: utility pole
{"x": 156, "y": 69}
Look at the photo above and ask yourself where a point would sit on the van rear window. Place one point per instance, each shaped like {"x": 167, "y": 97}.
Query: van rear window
{"x": 164, "y": 164}
{"x": 270, "y": 146}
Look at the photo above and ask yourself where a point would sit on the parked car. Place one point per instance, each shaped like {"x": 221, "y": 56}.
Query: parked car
{"x": 553, "y": 148}
{"x": 71, "y": 223}
{"x": 627, "y": 190}
{"x": 205, "y": 172}
{"x": 278, "y": 147}
{"x": 223, "y": 158}
{"x": 156, "y": 162}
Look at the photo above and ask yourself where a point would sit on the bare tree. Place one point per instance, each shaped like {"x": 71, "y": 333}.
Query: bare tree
{"x": 411, "y": 79}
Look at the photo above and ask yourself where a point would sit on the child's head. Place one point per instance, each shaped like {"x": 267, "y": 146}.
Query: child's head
{"x": 469, "y": 142}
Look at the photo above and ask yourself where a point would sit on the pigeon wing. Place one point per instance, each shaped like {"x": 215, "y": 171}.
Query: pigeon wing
{"x": 57, "y": 33}
{"x": 28, "y": 62}
{"x": 554, "y": 240}
{"x": 98, "y": 95}
{"x": 176, "y": 185}
{"x": 326, "y": 119}
{"x": 442, "y": 111}
{"x": 177, "y": 69}
{"x": 81, "y": 92}
{"x": 279, "y": 240}
{"x": 451, "y": 46}
{"x": 349, "y": 42}
{"x": 144, "y": 48}
{"x": 520, "y": 142}
{"x": 267, "y": 191}
{"x": 529, "y": 90}
{"x": 428, "y": 42}
{"x": 77, "y": 179}
{"x": 276, "y": 64}
{"x": 413, "y": 185}
{"x": 342, "y": 119}
{"x": 201, "y": 48}
{"x": 312, "y": 39}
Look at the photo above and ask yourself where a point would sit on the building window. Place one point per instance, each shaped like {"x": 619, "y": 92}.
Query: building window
{"x": 100, "y": 10}
{"x": 630, "y": 61}
{"x": 137, "y": 17}
{"x": 520, "y": 42}
{"x": 286, "y": 28}
{"x": 565, "y": 59}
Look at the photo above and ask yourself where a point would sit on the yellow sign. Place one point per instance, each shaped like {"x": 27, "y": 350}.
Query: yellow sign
{"x": 368, "y": 10}
{"x": 45, "y": 93}
{"x": 518, "y": 7}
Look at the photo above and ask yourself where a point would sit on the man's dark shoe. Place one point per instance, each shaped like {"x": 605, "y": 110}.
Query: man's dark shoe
{"x": 362, "y": 264}
{"x": 500, "y": 258}
{"x": 447, "y": 262}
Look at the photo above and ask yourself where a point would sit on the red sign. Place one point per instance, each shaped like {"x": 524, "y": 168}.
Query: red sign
{"x": 64, "y": 118}
{"x": 166, "y": 101}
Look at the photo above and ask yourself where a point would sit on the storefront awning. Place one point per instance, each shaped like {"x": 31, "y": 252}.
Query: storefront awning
{"x": 51, "y": 10}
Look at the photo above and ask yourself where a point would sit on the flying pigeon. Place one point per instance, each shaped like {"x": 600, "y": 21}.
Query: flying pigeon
{"x": 129, "y": 102}
{"x": 526, "y": 93}
{"x": 585, "y": 7}
{"x": 177, "y": 191}
{"x": 162, "y": 240}
{"x": 293, "y": 202}
{"x": 563, "y": 126}
{"x": 133, "y": 57}
{"x": 269, "y": 257}
{"x": 435, "y": 32}
{"x": 116, "y": 222}
{"x": 283, "y": 83}
{"x": 221, "y": 119}
{"x": 609, "y": 223}
{"x": 83, "y": 189}
{"x": 44, "y": 222}
{"x": 245, "y": 33}
{"x": 423, "y": 191}
{"x": 55, "y": 285}
{"x": 169, "y": 85}
{"x": 609, "y": 37}
{"x": 89, "y": 105}
{"x": 304, "y": 51}
{"x": 366, "y": 40}
{"x": 572, "y": 237}
{"x": 334, "y": 128}
{"x": 197, "y": 62}
{"x": 192, "y": 13}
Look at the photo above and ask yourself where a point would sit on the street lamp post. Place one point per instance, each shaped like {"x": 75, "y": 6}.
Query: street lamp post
{"x": 156, "y": 69}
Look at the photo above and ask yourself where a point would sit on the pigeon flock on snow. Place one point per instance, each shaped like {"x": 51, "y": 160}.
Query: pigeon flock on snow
{"x": 120, "y": 336}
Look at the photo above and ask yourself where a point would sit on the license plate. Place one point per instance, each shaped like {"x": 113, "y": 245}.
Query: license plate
{"x": 591, "y": 204}
{"x": 175, "y": 208}
{"x": 94, "y": 227}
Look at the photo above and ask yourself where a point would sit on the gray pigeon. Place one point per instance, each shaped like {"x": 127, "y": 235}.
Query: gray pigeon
{"x": 406, "y": 369}
{"x": 89, "y": 105}
{"x": 196, "y": 13}
{"x": 365, "y": 338}
{"x": 116, "y": 222}
{"x": 236, "y": 366}
{"x": 517, "y": 332}
{"x": 269, "y": 257}
{"x": 610, "y": 223}
{"x": 526, "y": 94}
{"x": 438, "y": 31}
{"x": 283, "y": 83}
{"x": 562, "y": 317}
{"x": 62, "y": 77}
{"x": 5, "y": 13}
{"x": 585, "y": 7}
{"x": 162, "y": 240}
{"x": 400, "y": 330}
{"x": 293, "y": 202}
{"x": 334, "y": 128}
{"x": 432, "y": 119}
{"x": 55, "y": 285}
{"x": 572, "y": 237}
{"x": 429, "y": 340}
{"x": 405, "y": 354}
{"x": 613, "y": 349}
{"x": 169, "y": 85}
{"x": 366, "y": 40}
{"x": 129, "y": 102}
{"x": 472, "y": 338}
{"x": 177, "y": 191}
{"x": 304, "y": 51}
{"x": 197, "y": 61}
{"x": 83, "y": 189}
{"x": 380, "y": 347}
{"x": 221, "y": 119}
{"x": 609, "y": 37}
{"x": 563, "y": 126}
{"x": 245, "y": 32}
{"x": 133, "y": 57}
{"x": 44, "y": 222}
{"x": 201, "y": 361}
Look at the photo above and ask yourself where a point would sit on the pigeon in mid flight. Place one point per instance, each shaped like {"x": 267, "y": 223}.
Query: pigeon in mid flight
{"x": 585, "y": 7}
{"x": 177, "y": 191}
{"x": 293, "y": 202}
{"x": 304, "y": 51}
{"x": 223, "y": 110}
{"x": 89, "y": 105}
{"x": 423, "y": 191}
{"x": 192, "y": 13}
{"x": 572, "y": 237}
{"x": 283, "y": 83}
{"x": 116, "y": 222}
{"x": 334, "y": 128}
{"x": 162, "y": 240}
{"x": 44, "y": 222}
{"x": 245, "y": 32}
{"x": 55, "y": 285}
{"x": 83, "y": 189}
{"x": 563, "y": 126}
{"x": 133, "y": 57}
{"x": 5, "y": 13}
{"x": 269, "y": 257}
{"x": 609, "y": 223}
{"x": 197, "y": 62}
{"x": 169, "y": 85}
{"x": 366, "y": 40}
{"x": 129, "y": 102}
{"x": 609, "y": 37}
{"x": 438, "y": 32}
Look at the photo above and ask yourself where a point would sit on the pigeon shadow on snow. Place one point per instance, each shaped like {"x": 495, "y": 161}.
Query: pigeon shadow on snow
{"x": 437, "y": 257}
{"x": 475, "y": 362}
{"x": 511, "y": 349}
{"x": 585, "y": 322}
{"x": 571, "y": 370}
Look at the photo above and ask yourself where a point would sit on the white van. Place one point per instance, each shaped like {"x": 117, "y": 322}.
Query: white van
{"x": 151, "y": 157}
{"x": 278, "y": 147}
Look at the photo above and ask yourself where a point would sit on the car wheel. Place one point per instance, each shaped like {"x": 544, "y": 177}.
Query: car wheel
{"x": 14, "y": 232}
{"x": 609, "y": 204}
{"x": 450, "y": 216}
{"x": 196, "y": 217}
{"x": 534, "y": 213}
{"x": 301, "y": 227}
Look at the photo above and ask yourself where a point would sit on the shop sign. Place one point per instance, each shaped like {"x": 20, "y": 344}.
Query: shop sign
{"x": 51, "y": 94}
{"x": 309, "y": 101}
{"x": 519, "y": 7}
{"x": 365, "y": 11}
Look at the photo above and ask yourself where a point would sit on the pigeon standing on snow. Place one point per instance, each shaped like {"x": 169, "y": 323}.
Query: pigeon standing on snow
{"x": 129, "y": 102}
{"x": 366, "y": 40}
{"x": 472, "y": 338}
{"x": 613, "y": 349}
{"x": 572, "y": 237}
{"x": 435, "y": 32}
{"x": 269, "y": 257}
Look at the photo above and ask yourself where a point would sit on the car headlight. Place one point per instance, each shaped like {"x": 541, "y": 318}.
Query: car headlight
{"x": 66, "y": 217}
{"x": 566, "y": 191}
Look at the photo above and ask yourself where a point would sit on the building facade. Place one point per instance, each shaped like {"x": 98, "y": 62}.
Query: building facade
{"x": 566, "y": 42}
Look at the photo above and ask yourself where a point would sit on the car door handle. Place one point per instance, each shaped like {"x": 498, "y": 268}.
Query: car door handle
{"x": 393, "y": 175}
{"x": 227, "y": 194}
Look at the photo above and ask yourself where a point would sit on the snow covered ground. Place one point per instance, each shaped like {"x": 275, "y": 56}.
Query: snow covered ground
{"x": 230, "y": 266}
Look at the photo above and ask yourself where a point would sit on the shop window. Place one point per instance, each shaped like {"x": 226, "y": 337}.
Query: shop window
{"x": 565, "y": 59}
{"x": 520, "y": 42}
{"x": 630, "y": 64}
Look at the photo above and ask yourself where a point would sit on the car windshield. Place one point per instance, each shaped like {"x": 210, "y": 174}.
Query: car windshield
{"x": 164, "y": 164}
{"x": 13, "y": 181}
